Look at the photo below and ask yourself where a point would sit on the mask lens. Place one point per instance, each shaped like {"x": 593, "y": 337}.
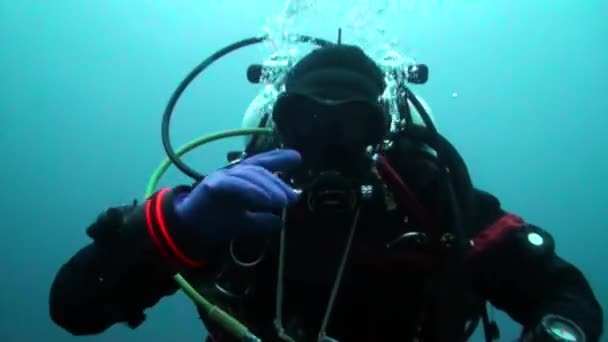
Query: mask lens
{"x": 360, "y": 123}
{"x": 304, "y": 121}
{"x": 295, "y": 118}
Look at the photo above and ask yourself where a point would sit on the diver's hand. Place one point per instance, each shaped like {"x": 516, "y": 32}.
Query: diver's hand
{"x": 238, "y": 199}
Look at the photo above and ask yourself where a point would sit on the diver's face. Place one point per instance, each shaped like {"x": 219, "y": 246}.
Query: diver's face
{"x": 331, "y": 136}
{"x": 311, "y": 125}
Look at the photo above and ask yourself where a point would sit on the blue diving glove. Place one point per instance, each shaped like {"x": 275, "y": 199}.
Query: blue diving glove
{"x": 237, "y": 200}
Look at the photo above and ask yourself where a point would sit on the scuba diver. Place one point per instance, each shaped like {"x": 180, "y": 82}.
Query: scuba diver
{"x": 350, "y": 219}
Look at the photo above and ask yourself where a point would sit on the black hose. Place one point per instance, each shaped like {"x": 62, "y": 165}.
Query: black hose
{"x": 183, "y": 167}
{"x": 187, "y": 170}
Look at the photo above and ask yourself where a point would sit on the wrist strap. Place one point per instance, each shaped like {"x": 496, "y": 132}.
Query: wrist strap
{"x": 158, "y": 211}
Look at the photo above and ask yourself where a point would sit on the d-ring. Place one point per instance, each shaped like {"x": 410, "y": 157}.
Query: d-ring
{"x": 243, "y": 263}
{"x": 418, "y": 237}
{"x": 230, "y": 293}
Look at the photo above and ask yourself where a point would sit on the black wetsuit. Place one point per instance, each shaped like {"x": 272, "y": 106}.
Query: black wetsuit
{"x": 116, "y": 277}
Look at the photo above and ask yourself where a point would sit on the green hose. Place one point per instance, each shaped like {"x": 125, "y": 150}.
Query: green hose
{"x": 215, "y": 313}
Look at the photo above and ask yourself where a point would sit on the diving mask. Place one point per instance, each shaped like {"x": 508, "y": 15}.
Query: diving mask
{"x": 330, "y": 111}
{"x": 330, "y": 136}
